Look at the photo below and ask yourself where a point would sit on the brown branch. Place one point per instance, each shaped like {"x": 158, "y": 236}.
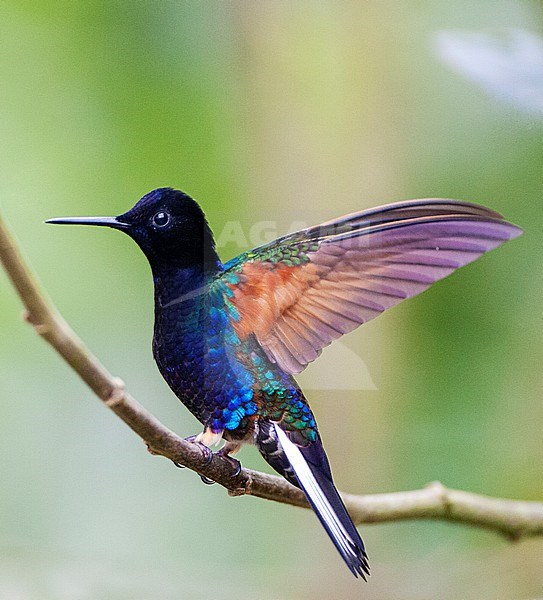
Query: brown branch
{"x": 515, "y": 519}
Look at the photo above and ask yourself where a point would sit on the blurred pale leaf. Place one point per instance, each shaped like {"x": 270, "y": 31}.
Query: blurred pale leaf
{"x": 507, "y": 65}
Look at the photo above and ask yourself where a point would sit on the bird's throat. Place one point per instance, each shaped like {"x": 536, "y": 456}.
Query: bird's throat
{"x": 174, "y": 285}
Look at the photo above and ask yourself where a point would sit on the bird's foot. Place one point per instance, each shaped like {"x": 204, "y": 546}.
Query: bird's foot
{"x": 207, "y": 438}
{"x": 206, "y": 480}
{"x": 206, "y": 451}
{"x": 225, "y": 453}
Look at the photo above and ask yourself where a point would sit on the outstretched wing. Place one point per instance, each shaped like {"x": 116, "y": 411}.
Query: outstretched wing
{"x": 304, "y": 290}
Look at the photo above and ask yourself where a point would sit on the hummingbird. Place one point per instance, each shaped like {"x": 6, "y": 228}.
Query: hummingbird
{"x": 230, "y": 337}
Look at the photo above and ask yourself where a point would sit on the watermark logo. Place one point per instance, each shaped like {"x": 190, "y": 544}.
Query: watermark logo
{"x": 258, "y": 234}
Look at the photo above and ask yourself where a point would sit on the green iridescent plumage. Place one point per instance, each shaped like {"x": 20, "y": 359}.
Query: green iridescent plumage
{"x": 293, "y": 254}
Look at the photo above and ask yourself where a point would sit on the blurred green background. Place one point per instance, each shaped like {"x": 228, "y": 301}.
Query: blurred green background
{"x": 283, "y": 112}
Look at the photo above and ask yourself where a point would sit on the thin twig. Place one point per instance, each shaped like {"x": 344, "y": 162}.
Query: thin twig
{"x": 514, "y": 519}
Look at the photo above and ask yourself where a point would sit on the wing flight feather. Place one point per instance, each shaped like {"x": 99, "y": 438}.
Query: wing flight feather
{"x": 301, "y": 292}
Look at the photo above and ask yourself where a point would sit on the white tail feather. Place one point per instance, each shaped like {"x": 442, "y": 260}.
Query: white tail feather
{"x": 316, "y": 495}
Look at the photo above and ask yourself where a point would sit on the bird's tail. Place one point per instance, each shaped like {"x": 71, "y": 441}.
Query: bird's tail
{"x": 307, "y": 467}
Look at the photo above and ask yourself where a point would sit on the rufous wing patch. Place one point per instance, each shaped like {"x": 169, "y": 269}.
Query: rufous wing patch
{"x": 266, "y": 292}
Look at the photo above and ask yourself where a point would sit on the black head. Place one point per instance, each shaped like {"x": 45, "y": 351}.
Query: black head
{"x": 168, "y": 225}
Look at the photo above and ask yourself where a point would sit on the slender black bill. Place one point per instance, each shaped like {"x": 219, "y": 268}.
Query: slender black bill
{"x": 101, "y": 221}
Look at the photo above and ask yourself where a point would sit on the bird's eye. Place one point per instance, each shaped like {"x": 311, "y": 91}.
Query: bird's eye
{"x": 161, "y": 219}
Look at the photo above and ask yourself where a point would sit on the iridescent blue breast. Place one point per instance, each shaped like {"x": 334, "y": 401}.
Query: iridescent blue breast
{"x": 222, "y": 379}
{"x": 197, "y": 351}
